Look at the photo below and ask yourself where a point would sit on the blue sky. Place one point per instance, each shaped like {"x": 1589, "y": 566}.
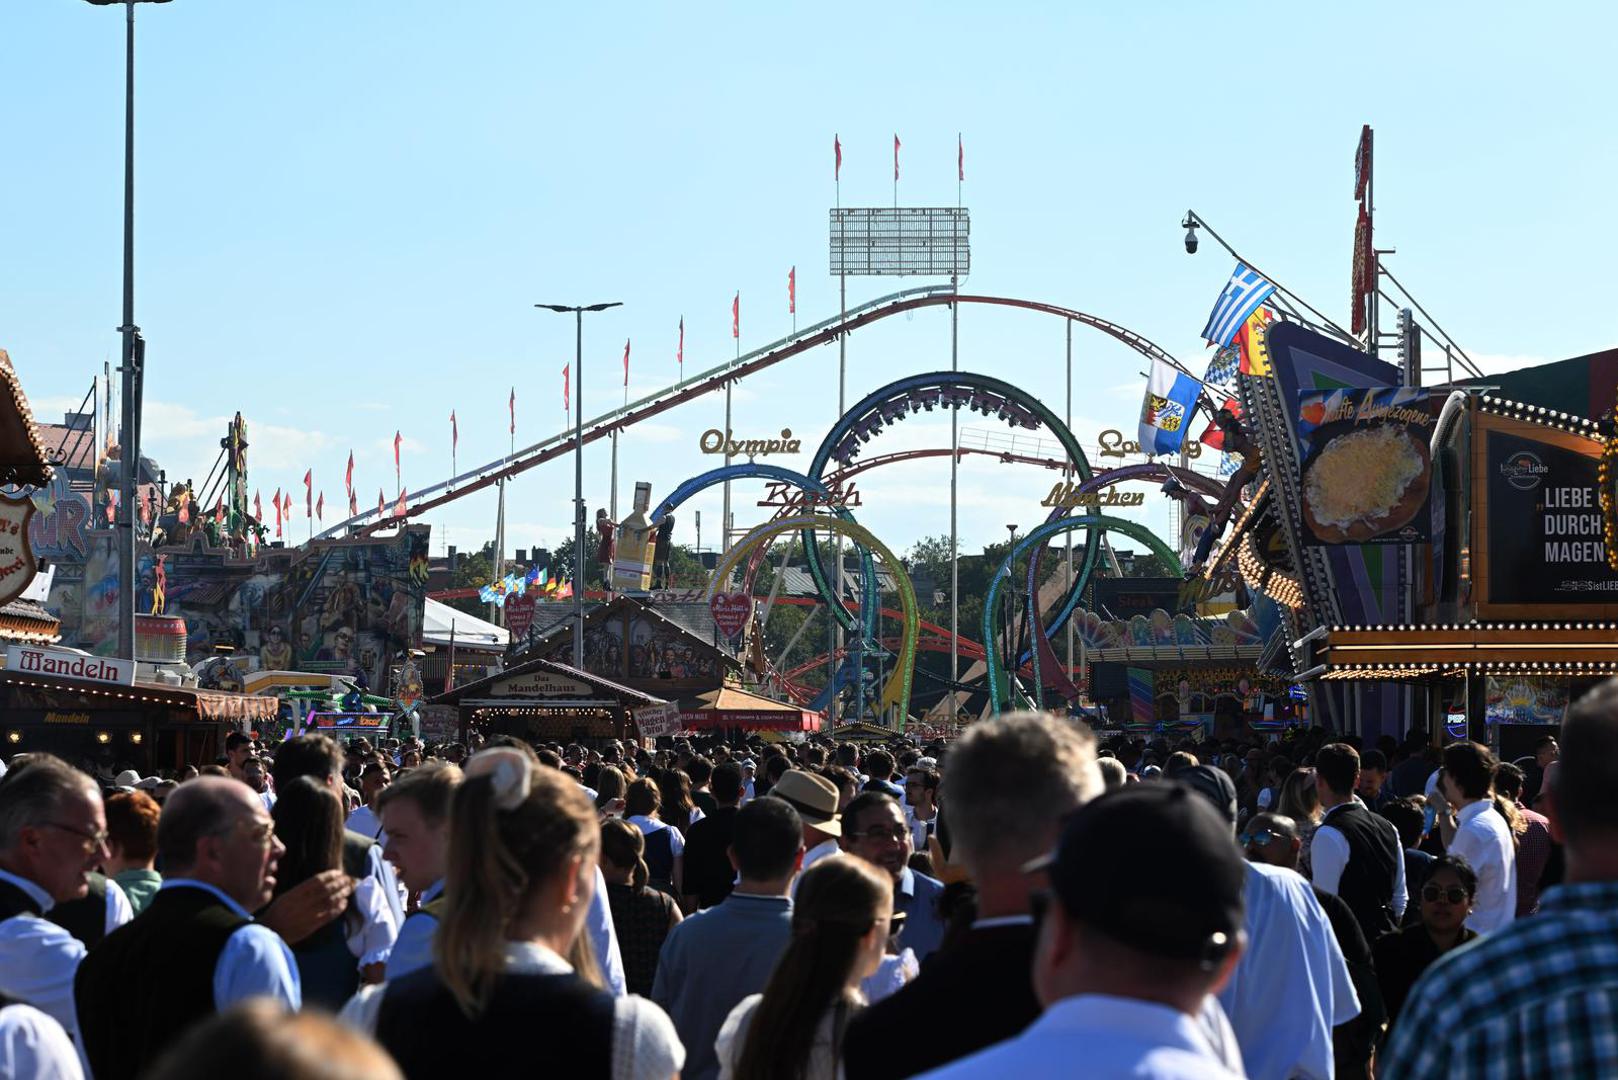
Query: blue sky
{"x": 346, "y": 211}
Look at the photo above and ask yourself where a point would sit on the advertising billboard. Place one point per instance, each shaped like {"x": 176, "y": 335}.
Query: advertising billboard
{"x": 1366, "y": 465}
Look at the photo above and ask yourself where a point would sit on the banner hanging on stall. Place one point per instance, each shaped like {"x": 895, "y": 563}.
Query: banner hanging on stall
{"x": 1366, "y": 465}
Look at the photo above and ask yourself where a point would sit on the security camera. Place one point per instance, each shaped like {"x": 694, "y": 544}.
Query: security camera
{"x": 1190, "y": 224}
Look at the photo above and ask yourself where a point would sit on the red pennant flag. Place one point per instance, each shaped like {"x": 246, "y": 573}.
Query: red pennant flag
{"x": 275, "y": 500}
{"x": 309, "y": 493}
{"x": 455, "y": 432}
{"x": 679, "y": 353}
{"x": 566, "y": 368}
{"x": 512, "y": 405}
{"x": 353, "y": 504}
{"x": 736, "y": 317}
{"x": 348, "y": 477}
{"x": 320, "y": 508}
{"x": 258, "y": 508}
{"x": 399, "y": 509}
{"x": 626, "y": 361}
{"x": 398, "y": 477}
{"x": 381, "y": 504}
{"x": 1214, "y": 437}
{"x": 837, "y": 152}
{"x": 286, "y": 503}
{"x": 960, "y": 158}
{"x": 792, "y": 291}
{"x": 896, "y": 158}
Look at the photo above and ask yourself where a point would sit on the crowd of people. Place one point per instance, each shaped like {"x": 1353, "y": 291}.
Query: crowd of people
{"x": 1028, "y": 899}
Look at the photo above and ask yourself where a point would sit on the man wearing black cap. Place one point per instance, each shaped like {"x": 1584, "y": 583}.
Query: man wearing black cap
{"x": 1127, "y": 959}
{"x": 1292, "y": 986}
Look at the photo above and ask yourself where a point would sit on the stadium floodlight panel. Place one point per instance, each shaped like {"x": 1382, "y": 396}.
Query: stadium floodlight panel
{"x": 906, "y": 241}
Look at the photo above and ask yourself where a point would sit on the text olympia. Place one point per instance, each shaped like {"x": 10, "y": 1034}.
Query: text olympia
{"x": 714, "y": 441}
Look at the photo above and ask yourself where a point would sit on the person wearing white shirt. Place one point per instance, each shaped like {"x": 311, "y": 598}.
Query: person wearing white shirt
{"x": 35, "y": 1047}
{"x": 1355, "y": 854}
{"x": 1125, "y": 972}
{"x": 921, "y": 805}
{"x": 52, "y": 834}
{"x": 1480, "y": 834}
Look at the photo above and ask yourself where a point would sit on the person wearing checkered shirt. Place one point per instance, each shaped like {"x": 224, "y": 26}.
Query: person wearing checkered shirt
{"x": 1538, "y": 997}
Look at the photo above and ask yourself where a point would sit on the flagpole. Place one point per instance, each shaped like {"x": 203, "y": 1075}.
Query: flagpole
{"x": 954, "y": 469}
{"x": 724, "y": 514}
{"x": 838, "y": 641}
{"x": 1068, "y": 420}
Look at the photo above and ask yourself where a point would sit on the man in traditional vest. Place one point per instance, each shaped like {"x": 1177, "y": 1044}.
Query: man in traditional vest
{"x": 415, "y": 818}
{"x": 1356, "y": 854}
{"x": 53, "y": 832}
{"x": 195, "y": 949}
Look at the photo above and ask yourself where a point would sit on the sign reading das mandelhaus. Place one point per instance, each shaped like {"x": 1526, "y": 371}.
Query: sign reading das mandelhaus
{"x": 1544, "y": 525}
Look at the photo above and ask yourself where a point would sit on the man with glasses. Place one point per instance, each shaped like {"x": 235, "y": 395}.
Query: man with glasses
{"x": 53, "y": 833}
{"x": 921, "y": 804}
{"x": 195, "y": 949}
{"x": 874, "y": 829}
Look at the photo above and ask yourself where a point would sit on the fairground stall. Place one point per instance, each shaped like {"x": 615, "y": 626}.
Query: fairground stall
{"x": 733, "y": 711}
{"x": 545, "y": 699}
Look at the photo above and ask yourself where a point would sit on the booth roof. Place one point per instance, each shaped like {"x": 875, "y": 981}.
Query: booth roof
{"x": 627, "y": 696}
{"x": 730, "y": 706}
{"x": 471, "y": 632}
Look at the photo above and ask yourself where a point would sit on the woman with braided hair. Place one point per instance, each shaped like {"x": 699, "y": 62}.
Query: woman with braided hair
{"x": 841, "y": 923}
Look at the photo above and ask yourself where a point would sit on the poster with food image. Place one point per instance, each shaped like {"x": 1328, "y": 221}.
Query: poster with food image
{"x": 1366, "y": 465}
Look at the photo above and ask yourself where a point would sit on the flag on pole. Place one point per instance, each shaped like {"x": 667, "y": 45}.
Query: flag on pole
{"x": 566, "y": 368}
{"x": 381, "y": 504}
{"x": 1223, "y": 367}
{"x": 736, "y": 317}
{"x": 353, "y": 504}
{"x": 348, "y": 477}
{"x": 275, "y": 500}
{"x": 320, "y": 508}
{"x": 399, "y": 508}
{"x": 1255, "y": 350}
{"x": 455, "y": 432}
{"x": 398, "y": 439}
{"x": 1242, "y": 295}
{"x": 626, "y": 361}
{"x": 286, "y": 504}
{"x": 512, "y": 406}
{"x": 896, "y": 158}
{"x": 792, "y": 291}
{"x": 258, "y": 508}
{"x": 960, "y": 158}
{"x": 1214, "y": 436}
{"x": 837, "y": 153}
{"x": 679, "y": 352}
{"x": 309, "y": 493}
{"x": 1170, "y": 397}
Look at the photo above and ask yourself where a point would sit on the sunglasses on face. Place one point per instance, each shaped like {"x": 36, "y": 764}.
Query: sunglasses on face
{"x": 1261, "y": 838}
{"x": 1454, "y": 894}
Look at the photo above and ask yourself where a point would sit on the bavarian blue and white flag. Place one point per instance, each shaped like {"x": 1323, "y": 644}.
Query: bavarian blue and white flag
{"x": 1243, "y": 294}
{"x": 1166, "y": 412}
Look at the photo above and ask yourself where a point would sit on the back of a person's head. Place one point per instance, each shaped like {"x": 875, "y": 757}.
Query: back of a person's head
{"x": 1584, "y": 785}
{"x": 1299, "y": 799}
{"x": 1009, "y": 781}
{"x": 1338, "y": 764}
{"x": 643, "y": 799}
{"x": 1113, "y": 773}
{"x": 309, "y": 821}
{"x": 837, "y": 903}
{"x": 879, "y": 764}
{"x": 726, "y": 783}
{"x": 1471, "y": 766}
{"x": 1407, "y": 817}
{"x": 258, "y": 1040}
{"x": 700, "y": 770}
{"x": 549, "y": 758}
{"x": 32, "y": 792}
{"x": 306, "y": 755}
{"x": 514, "y": 828}
{"x": 610, "y": 784}
{"x": 624, "y": 846}
{"x": 1508, "y": 780}
{"x": 766, "y": 839}
{"x": 1178, "y": 762}
{"x": 132, "y": 824}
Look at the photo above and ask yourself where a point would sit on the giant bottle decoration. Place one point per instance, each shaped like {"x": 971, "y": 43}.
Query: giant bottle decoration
{"x": 637, "y": 545}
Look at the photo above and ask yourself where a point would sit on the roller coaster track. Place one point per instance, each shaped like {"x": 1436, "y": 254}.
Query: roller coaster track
{"x": 716, "y": 378}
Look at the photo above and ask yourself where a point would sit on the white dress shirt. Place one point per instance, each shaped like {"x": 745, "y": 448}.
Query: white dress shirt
{"x": 1328, "y": 856}
{"x": 34, "y": 1047}
{"x": 1101, "y": 1036}
{"x": 39, "y": 959}
{"x": 255, "y": 962}
{"x": 1483, "y": 839}
{"x": 1291, "y": 986}
{"x": 644, "y": 1043}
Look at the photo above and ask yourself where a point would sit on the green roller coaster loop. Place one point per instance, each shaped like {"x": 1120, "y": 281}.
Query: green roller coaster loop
{"x": 897, "y": 690}
{"x": 1000, "y": 686}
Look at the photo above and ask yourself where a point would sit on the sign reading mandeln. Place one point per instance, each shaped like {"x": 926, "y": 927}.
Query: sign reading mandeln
{"x": 65, "y": 664}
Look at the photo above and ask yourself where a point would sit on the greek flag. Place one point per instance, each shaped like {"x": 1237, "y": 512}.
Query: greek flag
{"x": 1243, "y": 294}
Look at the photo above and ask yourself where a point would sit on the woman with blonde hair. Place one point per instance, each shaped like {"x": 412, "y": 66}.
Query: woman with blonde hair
{"x": 1300, "y": 801}
{"x": 841, "y": 920}
{"x": 523, "y": 846}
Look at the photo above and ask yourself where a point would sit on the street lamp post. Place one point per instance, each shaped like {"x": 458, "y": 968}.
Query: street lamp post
{"x": 133, "y": 356}
{"x": 578, "y": 467}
